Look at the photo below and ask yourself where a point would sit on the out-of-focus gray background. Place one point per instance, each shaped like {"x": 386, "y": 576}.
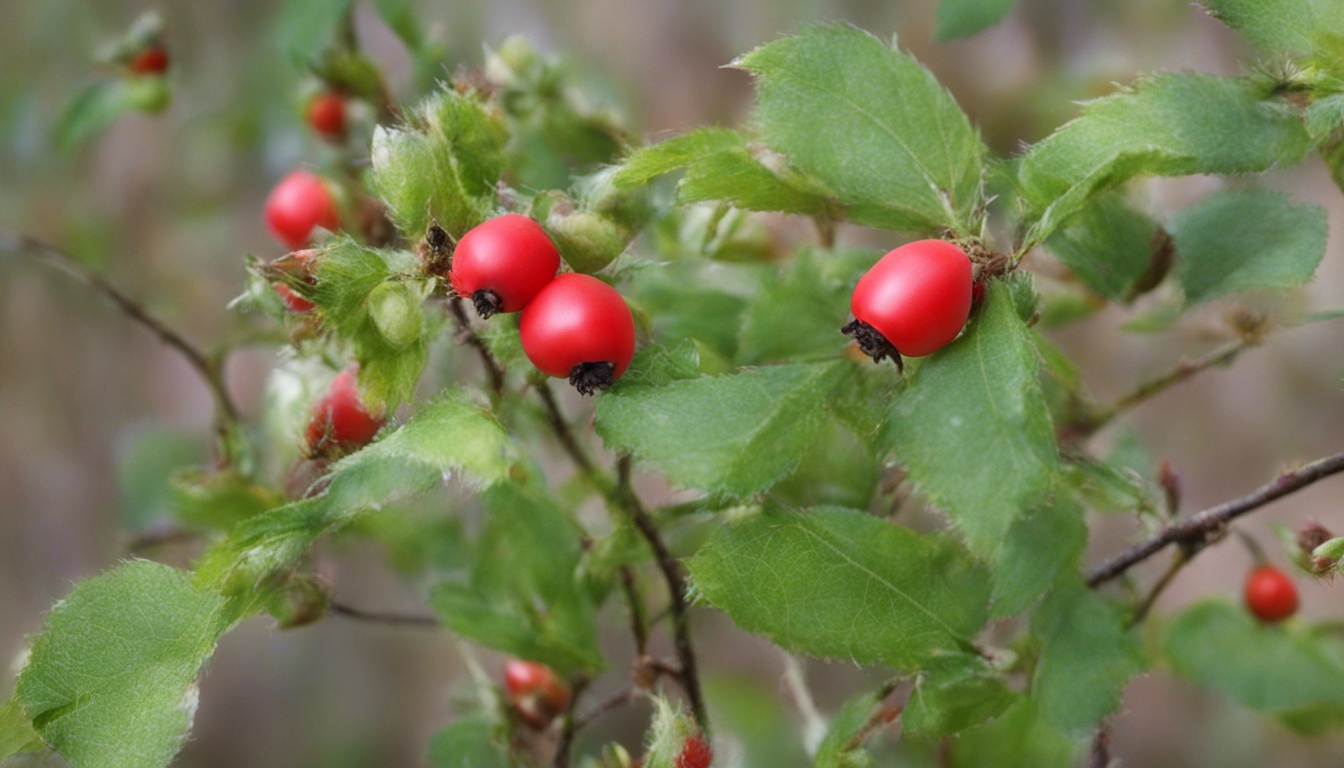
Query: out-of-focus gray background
{"x": 168, "y": 206}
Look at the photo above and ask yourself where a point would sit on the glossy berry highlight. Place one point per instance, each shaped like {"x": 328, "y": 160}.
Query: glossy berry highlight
{"x": 535, "y": 692}
{"x": 326, "y": 115}
{"x": 298, "y": 205}
{"x": 340, "y": 421}
{"x": 913, "y": 302}
{"x": 1270, "y": 594}
{"x": 502, "y": 264}
{"x": 695, "y": 753}
{"x": 579, "y": 328}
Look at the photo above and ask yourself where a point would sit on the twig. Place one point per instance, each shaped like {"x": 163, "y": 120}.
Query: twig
{"x": 825, "y": 230}
{"x": 563, "y": 433}
{"x": 208, "y": 368}
{"x": 381, "y": 617}
{"x": 621, "y": 697}
{"x": 639, "y": 622}
{"x": 1184, "y": 370}
{"x": 569, "y": 724}
{"x": 1195, "y": 532}
{"x": 1100, "y": 754}
{"x": 883, "y": 716}
{"x": 493, "y": 370}
{"x": 1177, "y": 563}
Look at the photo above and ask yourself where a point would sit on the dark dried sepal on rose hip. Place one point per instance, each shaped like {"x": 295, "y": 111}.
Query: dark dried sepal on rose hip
{"x": 872, "y": 343}
{"x": 487, "y": 303}
{"x": 436, "y": 251}
{"x": 590, "y": 377}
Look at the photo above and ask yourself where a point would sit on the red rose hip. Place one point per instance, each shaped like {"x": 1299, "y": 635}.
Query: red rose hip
{"x": 695, "y": 753}
{"x": 913, "y": 302}
{"x": 579, "y": 328}
{"x": 535, "y": 692}
{"x": 299, "y": 204}
{"x": 326, "y": 115}
{"x": 340, "y": 421}
{"x": 503, "y": 263}
{"x": 1270, "y": 594}
{"x": 151, "y": 61}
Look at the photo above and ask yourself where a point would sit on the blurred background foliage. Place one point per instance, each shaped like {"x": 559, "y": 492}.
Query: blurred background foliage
{"x": 94, "y": 413}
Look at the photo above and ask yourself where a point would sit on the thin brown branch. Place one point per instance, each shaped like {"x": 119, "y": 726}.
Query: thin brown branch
{"x": 569, "y": 724}
{"x": 639, "y": 622}
{"x": 556, "y": 420}
{"x": 1100, "y": 754}
{"x": 208, "y": 368}
{"x": 1177, "y": 563}
{"x": 1198, "y": 530}
{"x": 494, "y": 372}
{"x": 384, "y": 617}
{"x": 884, "y": 714}
{"x": 616, "y": 700}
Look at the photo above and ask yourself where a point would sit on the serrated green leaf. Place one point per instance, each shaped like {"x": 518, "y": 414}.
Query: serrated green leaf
{"x": 1281, "y": 26}
{"x": 523, "y": 595}
{"x": 835, "y": 583}
{"x": 963, "y": 18}
{"x": 873, "y": 125}
{"x": 737, "y": 434}
{"x": 469, "y": 742}
{"x": 306, "y": 26}
{"x": 798, "y": 315}
{"x": 1168, "y": 125}
{"x": 698, "y": 301}
{"x": 1278, "y": 670}
{"x": 1246, "y": 239}
{"x": 16, "y": 731}
{"x": 721, "y": 165}
{"x": 1019, "y": 738}
{"x": 219, "y": 500}
{"x": 837, "y": 749}
{"x": 955, "y": 693}
{"x": 1087, "y": 657}
{"x": 450, "y": 435}
{"x": 111, "y": 678}
{"x": 972, "y": 428}
{"x": 1108, "y": 245}
{"x": 1042, "y": 543}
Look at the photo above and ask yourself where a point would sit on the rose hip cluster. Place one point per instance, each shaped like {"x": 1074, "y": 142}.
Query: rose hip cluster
{"x": 572, "y": 326}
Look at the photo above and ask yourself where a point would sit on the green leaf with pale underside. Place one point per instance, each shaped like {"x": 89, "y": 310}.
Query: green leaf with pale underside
{"x": 872, "y": 124}
{"x": 963, "y": 18}
{"x": 837, "y": 583}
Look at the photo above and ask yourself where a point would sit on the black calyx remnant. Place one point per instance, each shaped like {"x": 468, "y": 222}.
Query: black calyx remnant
{"x": 590, "y": 377}
{"x": 873, "y": 343}
{"x": 487, "y": 303}
{"x": 437, "y": 250}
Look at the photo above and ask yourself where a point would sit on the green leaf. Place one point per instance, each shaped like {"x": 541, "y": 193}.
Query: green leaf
{"x": 1168, "y": 125}
{"x": 443, "y": 167}
{"x": 1246, "y": 239}
{"x": 399, "y": 16}
{"x": 111, "y": 678}
{"x": 450, "y": 435}
{"x": 872, "y": 125}
{"x": 737, "y": 434}
{"x": 1108, "y": 245}
{"x": 835, "y": 583}
{"x": 697, "y": 300}
{"x": 963, "y": 18}
{"x": 1087, "y": 657}
{"x": 1278, "y": 670}
{"x": 93, "y": 109}
{"x": 955, "y": 693}
{"x": 721, "y": 165}
{"x": 220, "y": 500}
{"x": 972, "y": 428}
{"x": 798, "y": 315}
{"x": 523, "y": 595}
{"x": 1019, "y": 738}
{"x": 838, "y": 750}
{"x": 306, "y": 26}
{"x": 1042, "y": 544}
{"x": 469, "y": 742}
{"x": 1281, "y": 26}
{"x": 16, "y": 731}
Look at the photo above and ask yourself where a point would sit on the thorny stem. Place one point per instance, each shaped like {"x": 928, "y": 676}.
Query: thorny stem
{"x": 209, "y": 368}
{"x": 382, "y": 617}
{"x": 494, "y": 372}
{"x": 1197, "y": 531}
{"x": 623, "y": 497}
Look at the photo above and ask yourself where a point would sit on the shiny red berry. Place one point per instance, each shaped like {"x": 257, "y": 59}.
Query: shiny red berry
{"x": 913, "y": 302}
{"x": 299, "y": 204}
{"x": 1270, "y": 594}
{"x": 695, "y": 753}
{"x": 535, "y": 692}
{"x": 579, "y": 328}
{"x": 503, "y": 263}
{"x": 150, "y": 61}
{"x": 340, "y": 421}
{"x": 326, "y": 115}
